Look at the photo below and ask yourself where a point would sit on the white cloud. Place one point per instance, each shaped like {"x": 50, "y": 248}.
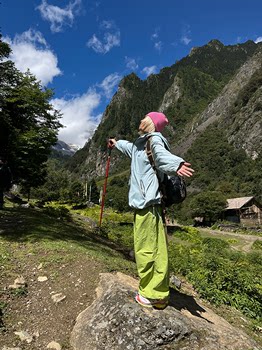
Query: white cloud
{"x": 110, "y": 39}
{"x": 158, "y": 45}
{"x": 131, "y": 63}
{"x": 109, "y": 84}
{"x": 78, "y": 117}
{"x": 258, "y": 40}
{"x": 32, "y": 36}
{"x": 96, "y": 44}
{"x": 154, "y": 36}
{"x": 149, "y": 70}
{"x": 30, "y": 51}
{"x": 186, "y": 32}
{"x": 57, "y": 16}
{"x": 185, "y": 40}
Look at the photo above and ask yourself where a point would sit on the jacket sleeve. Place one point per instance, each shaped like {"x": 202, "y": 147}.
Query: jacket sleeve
{"x": 125, "y": 147}
{"x": 165, "y": 161}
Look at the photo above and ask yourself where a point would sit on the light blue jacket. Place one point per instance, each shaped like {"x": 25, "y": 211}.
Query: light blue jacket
{"x": 144, "y": 186}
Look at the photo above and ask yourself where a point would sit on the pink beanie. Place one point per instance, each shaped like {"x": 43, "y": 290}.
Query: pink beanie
{"x": 159, "y": 120}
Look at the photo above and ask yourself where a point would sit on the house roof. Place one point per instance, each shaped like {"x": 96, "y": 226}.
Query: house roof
{"x": 237, "y": 203}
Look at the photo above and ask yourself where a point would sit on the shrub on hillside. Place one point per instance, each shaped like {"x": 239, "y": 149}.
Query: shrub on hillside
{"x": 257, "y": 245}
{"x": 59, "y": 212}
{"x": 219, "y": 274}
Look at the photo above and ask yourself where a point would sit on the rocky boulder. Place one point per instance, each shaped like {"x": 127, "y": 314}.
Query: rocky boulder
{"x": 115, "y": 321}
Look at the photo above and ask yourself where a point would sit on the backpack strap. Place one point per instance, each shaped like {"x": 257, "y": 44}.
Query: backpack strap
{"x": 151, "y": 159}
{"x": 152, "y": 162}
{"x": 161, "y": 187}
{"x": 150, "y": 154}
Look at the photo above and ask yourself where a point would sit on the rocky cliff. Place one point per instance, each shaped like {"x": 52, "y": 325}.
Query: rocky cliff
{"x": 244, "y": 125}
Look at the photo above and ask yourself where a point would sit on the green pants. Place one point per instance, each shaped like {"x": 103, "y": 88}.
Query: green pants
{"x": 151, "y": 253}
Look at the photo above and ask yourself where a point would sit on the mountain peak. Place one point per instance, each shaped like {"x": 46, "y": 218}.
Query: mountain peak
{"x": 65, "y": 148}
{"x": 216, "y": 44}
{"x": 130, "y": 80}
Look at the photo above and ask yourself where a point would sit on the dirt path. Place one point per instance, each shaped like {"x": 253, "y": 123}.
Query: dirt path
{"x": 247, "y": 240}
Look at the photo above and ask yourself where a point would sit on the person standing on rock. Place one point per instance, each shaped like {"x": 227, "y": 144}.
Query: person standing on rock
{"x": 150, "y": 242}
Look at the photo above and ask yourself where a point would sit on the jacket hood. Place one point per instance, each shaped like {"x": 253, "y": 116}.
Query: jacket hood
{"x": 142, "y": 139}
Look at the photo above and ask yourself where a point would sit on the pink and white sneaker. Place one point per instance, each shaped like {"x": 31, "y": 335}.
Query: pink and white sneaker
{"x": 155, "y": 303}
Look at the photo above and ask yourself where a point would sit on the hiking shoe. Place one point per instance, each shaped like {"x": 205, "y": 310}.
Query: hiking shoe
{"x": 155, "y": 303}
{"x": 143, "y": 301}
{"x": 160, "y": 304}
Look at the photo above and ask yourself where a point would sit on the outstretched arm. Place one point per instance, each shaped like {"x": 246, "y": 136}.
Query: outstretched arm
{"x": 168, "y": 162}
{"x": 122, "y": 145}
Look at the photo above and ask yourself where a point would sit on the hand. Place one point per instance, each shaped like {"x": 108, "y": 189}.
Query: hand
{"x": 111, "y": 143}
{"x": 185, "y": 170}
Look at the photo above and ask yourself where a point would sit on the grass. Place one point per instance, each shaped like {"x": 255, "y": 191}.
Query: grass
{"x": 30, "y": 232}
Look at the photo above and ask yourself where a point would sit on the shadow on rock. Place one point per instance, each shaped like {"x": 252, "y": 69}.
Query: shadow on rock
{"x": 181, "y": 301}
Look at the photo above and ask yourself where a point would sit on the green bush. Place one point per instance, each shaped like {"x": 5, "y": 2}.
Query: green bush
{"x": 219, "y": 274}
{"x": 255, "y": 258}
{"x": 215, "y": 244}
{"x": 257, "y": 245}
{"x": 187, "y": 233}
{"x": 123, "y": 235}
{"x": 60, "y": 212}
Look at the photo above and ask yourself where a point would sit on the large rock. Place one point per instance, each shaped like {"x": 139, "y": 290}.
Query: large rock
{"x": 115, "y": 321}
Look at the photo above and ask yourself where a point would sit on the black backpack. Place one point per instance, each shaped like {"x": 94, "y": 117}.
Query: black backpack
{"x": 172, "y": 188}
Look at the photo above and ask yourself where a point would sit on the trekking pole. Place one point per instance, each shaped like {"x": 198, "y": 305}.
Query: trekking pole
{"x": 109, "y": 149}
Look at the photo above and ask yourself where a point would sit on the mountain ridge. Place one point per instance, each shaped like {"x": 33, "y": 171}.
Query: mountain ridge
{"x": 188, "y": 90}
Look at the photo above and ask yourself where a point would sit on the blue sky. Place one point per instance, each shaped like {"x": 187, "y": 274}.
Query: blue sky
{"x": 82, "y": 49}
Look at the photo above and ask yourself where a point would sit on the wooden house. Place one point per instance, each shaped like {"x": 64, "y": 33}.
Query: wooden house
{"x": 244, "y": 210}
